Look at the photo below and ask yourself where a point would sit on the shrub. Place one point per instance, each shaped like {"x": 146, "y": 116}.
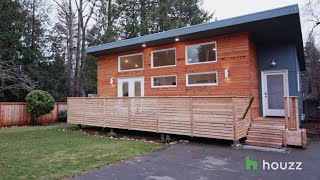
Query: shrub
{"x": 39, "y": 103}
{"x": 62, "y": 116}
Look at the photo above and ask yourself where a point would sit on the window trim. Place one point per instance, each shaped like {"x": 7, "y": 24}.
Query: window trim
{"x": 129, "y": 55}
{"x": 206, "y": 43}
{"x": 201, "y": 84}
{"x": 165, "y": 86}
{"x": 161, "y": 50}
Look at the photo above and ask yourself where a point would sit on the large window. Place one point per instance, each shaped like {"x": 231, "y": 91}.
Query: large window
{"x": 163, "y": 58}
{"x": 201, "y": 53}
{"x": 202, "y": 79}
{"x": 164, "y": 81}
{"x": 130, "y": 62}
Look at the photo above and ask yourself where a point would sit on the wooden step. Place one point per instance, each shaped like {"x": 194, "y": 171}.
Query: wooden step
{"x": 264, "y": 144}
{"x": 265, "y": 134}
{"x": 268, "y": 123}
{"x": 264, "y": 129}
{"x": 268, "y": 119}
{"x": 265, "y": 139}
{"x": 268, "y": 126}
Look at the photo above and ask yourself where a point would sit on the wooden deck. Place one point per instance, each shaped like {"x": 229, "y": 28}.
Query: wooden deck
{"x": 212, "y": 117}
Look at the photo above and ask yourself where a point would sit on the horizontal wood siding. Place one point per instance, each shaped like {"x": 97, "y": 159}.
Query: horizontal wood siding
{"x": 15, "y": 113}
{"x": 242, "y": 124}
{"x": 233, "y": 53}
{"x": 210, "y": 117}
{"x": 254, "y": 81}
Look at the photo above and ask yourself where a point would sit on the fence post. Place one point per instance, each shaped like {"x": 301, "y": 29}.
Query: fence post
{"x": 157, "y": 115}
{"x": 85, "y": 109}
{"x": 234, "y": 116}
{"x": 297, "y": 112}
{"x": 191, "y": 116}
{"x": 294, "y": 113}
{"x": 104, "y": 112}
{"x": 129, "y": 113}
{"x": 286, "y": 111}
{"x": 56, "y": 118}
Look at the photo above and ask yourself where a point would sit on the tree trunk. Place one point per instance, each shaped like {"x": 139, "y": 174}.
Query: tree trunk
{"x": 78, "y": 81}
{"x": 144, "y": 22}
{"x": 69, "y": 81}
{"x": 109, "y": 25}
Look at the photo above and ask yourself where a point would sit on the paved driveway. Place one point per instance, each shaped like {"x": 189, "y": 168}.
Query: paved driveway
{"x": 204, "y": 161}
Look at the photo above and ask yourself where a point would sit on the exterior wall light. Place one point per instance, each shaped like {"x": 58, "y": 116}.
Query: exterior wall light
{"x": 111, "y": 81}
{"x": 273, "y": 63}
{"x": 177, "y": 39}
{"x": 226, "y": 73}
{"x": 144, "y": 45}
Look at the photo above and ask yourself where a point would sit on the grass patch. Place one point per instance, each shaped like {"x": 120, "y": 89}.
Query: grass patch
{"x": 44, "y": 152}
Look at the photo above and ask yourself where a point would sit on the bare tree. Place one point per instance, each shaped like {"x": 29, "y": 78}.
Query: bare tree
{"x": 76, "y": 22}
{"x": 83, "y": 20}
{"x": 67, "y": 18}
{"x": 13, "y": 78}
{"x": 311, "y": 11}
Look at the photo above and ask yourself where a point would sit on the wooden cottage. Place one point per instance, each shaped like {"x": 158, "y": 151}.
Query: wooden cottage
{"x": 227, "y": 79}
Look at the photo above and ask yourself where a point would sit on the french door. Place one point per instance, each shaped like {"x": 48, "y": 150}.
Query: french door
{"x": 131, "y": 87}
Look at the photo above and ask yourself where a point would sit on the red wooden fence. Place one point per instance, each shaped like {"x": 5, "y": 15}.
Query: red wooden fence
{"x": 15, "y": 113}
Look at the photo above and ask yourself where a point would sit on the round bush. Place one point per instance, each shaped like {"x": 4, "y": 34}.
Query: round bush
{"x": 39, "y": 103}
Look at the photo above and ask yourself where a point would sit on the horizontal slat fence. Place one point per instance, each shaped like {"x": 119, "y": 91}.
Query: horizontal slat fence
{"x": 15, "y": 113}
{"x": 212, "y": 117}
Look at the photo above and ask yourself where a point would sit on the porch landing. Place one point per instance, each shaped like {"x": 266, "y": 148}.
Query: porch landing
{"x": 266, "y": 132}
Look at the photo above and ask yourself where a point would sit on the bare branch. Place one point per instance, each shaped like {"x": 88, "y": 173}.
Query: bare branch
{"x": 13, "y": 78}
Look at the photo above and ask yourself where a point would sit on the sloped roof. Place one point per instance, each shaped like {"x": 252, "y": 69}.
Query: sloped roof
{"x": 281, "y": 25}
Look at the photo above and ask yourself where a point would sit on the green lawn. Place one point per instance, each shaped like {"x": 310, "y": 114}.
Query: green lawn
{"x": 44, "y": 152}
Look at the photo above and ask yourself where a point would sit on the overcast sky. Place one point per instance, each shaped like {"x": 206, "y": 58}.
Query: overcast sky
{"x": 231, "y": 8}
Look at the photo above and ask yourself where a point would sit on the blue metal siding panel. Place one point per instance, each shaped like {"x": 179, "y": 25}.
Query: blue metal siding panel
{"x": 285, "y": 56}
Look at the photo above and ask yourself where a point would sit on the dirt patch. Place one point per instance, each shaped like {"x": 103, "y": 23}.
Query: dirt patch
{"x": 93, "y": 132}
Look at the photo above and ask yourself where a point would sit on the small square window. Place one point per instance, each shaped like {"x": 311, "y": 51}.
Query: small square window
{"x": 163, "y": 58}
{"x": 130, "y": 62}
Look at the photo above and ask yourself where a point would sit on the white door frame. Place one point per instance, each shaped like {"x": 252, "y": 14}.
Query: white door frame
{"x": 131, "y": 89}
{"x": 266, "y": 111}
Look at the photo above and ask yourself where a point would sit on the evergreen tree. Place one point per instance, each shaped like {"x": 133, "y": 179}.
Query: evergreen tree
{"x": 12, "y": 28}
{"x": 311, "y": 78}
{"x": 172, "y": 14}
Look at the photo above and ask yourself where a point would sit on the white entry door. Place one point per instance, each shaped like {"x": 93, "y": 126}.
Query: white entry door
{"x": 274, "y": 88}
{"x": 131, "y": 87}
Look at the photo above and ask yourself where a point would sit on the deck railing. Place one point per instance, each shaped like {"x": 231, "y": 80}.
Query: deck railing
{"x": 213, "y": 117}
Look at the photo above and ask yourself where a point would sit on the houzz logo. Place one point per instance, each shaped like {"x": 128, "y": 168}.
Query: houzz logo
{"x": 251, "y": 164}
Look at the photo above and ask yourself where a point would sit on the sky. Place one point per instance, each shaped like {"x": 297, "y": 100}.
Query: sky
{"x": 224, "y": 9}
{"x": 232, "y": 8}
